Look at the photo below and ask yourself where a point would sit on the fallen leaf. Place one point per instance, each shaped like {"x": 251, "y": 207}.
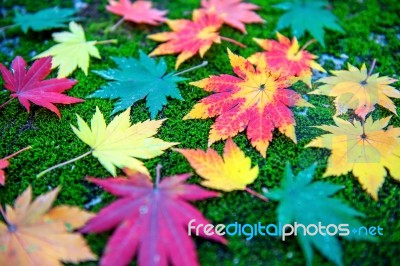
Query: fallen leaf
{"x": 72, "y": 50}
{"x": 356, "y": 89}
{"x": 364, "y": 149}
{"x": 308, "y": 15}
{"x": 189, "y": 37}
{"x": 235, "y": 13}
{"x": 137, "y": 12}
{"x": 134, "y": 80}
{"x": 35, "y": 235}
{"x": 258, "y": 99}
{"x": 4, "y": 164}
{"x": 45, "y": 19}
{"x": 29, "y": 86}
{"x": 309, "y": 203}
{"x": 120, "y": 143}
{"x": 151, "y": 221}
{"x": 287, "y": 56}
{"x": 229, "y": 172}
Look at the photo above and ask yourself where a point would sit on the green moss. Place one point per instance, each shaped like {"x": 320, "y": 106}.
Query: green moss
{"x": 53, "y": 140}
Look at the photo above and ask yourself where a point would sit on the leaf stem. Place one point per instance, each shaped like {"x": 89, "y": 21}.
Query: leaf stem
{"x": 6, "y": 103}
{"x": 158, "y": 174}
{"x": 107, "y": 41}
{"x": 117, "y": 24}
{"x": 16, "y": 153}
{"x": 258, "y": 195}
{"x": 204, "y": 63}
{"x": 233, "y": 41}
{"x": 307, "y": 44}
{"x": 64, "y": 163}
{"x": 372, "y": 68}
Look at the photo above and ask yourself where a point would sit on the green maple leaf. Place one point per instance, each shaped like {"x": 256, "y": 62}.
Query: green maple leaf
{"x": 308, "y": 15}
{"x": 136, "y": 79}
{"x": 306, "y": 203}
{"x": 44, "y": 19}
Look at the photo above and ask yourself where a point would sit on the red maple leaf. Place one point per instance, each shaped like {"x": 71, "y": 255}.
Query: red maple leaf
{"x": 151, "y": 220}
{"x": 189, "y": 37}
{"x": 30, "y": 86}
{"x": 138, "y": 12}
{"x": 257, "y": 100}
{"x": 287, "y": 56}
{"x": 233, "y": 12}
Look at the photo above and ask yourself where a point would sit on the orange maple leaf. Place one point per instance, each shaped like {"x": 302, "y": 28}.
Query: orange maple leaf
{"x": 35, "y": 235}
{"x": 189, "y": 37}
{"x": 288, "y": 56}
{"x": 233, "y": 12}
{"x": 258, "y": 99}
{"x": 138, "y": 12}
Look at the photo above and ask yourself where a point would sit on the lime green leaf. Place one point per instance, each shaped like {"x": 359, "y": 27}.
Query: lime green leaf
{"x": 307, "y": 202}
{"x": 308, "y": 15}
{"x": 136, "y": 79}
{"x": 44, "y": 19}
{"x": 72, "y": 50}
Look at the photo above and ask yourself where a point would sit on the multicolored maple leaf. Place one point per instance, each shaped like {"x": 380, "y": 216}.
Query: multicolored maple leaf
{"x": 233, "y": 12}
{"x": 151, "y": 220}
{"x": 358, "y": 90}
{"x": 364, "y": 148}
{"x": 29, "y": 86}
{"x": 137, "y": 12}
{"x": 189, "y": 37}
{"x": 258, "y": 99}
{"x": 287, "y": 56}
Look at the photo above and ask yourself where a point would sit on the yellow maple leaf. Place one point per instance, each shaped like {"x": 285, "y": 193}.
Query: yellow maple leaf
{"x": 229, "y": 172}
{"x": 73, "y": 50}
{"x": 366, "y": 150}
{"x": 119, "y": 143}
{"x": 358, "y": 90}
{"x": 35, "y": 235}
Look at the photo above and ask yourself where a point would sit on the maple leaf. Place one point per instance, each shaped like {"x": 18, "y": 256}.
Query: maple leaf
{"x": 119, "y": 143}
{"x": 315, "y": 198}
{"x": 151, "y": 220}
{"x": 362, "y": 148}
{"x": 35, "y": 235}
{"x": 358, "y": 90}
{"x": 30, "y": 86}
{"x": 188, "y": 37}
{"x": 308, "y": 15}
{"x": 4, "y": 164}
{"x": 258, "y": 99}
{"x": 138, "y": 12}
{"x": 230, "y": 172}
{"x": 233, "y": 12}
{"x": 72, "y": 50}
{"x": 134, "y": 80}
{"x": 44, "y": 19}
{"x": 287, "y": 56}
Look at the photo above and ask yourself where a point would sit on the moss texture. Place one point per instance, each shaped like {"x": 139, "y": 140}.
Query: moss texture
{"x": 53, "y": 140}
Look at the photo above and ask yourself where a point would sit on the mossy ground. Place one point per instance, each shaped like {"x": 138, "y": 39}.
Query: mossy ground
{"x": 53, "y": 140}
